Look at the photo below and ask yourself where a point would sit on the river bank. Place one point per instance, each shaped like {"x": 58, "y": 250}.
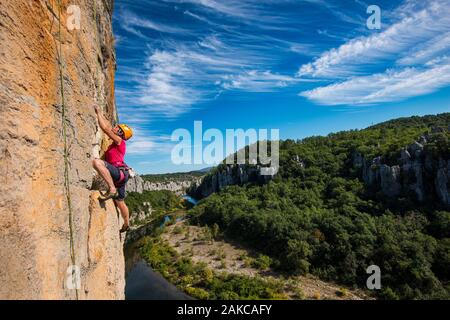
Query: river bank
{"x": 185, "y": 259}
{"x": 227, "y": 257}
{"x": 143, "y": 283}
{"x": 168, "y": 258}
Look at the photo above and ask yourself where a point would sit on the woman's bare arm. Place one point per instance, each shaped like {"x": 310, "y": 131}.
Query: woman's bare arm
{"x": 106, "y": 126}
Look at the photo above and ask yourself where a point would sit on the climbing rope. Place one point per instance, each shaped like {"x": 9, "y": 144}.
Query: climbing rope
{"x": 66, "y": 152}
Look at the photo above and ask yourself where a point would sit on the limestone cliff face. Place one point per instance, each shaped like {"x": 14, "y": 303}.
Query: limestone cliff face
{"x": 34, "y": 216}
{"x": 418, "y": 172}
{"x": 179, "y": 187}
{"x": 227, "y": 175}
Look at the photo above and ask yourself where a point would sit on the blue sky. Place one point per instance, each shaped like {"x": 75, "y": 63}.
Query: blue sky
{"x": 305, "y": 67}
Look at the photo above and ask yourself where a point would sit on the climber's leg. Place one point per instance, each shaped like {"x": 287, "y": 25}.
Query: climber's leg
{"x": 106, "y": 173}
{"x": 124, "y": 213}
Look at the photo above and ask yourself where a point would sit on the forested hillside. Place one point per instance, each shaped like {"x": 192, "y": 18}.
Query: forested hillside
{"x": 332, "y": 209}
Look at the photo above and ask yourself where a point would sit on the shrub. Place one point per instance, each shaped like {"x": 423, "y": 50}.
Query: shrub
{"x": 342, "y": 292}
{"x": 177, "y": 230}
{"x": 299, "y": 294}
{"x": 197, "y": 293}
{"x": 262, "y": 262}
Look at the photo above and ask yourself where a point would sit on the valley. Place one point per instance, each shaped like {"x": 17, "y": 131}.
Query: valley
{"x": 338, "y": 205}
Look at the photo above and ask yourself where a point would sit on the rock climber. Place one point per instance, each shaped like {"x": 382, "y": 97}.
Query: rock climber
{"x": 113, "y": 169}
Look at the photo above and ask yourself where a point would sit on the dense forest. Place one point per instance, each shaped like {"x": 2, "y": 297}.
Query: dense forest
{"x": 318, "y": 216}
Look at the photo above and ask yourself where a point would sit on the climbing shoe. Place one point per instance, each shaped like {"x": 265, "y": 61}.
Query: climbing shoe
{"x": 108, "y": 195}
{"x": 124, "y": 229}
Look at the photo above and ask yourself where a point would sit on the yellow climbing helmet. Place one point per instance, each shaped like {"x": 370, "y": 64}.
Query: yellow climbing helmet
{"x": 127, "y": 132}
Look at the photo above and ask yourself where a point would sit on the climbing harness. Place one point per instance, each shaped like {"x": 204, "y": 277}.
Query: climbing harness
{"x": 66, "y": 153}
{"x": 124, "y": 176}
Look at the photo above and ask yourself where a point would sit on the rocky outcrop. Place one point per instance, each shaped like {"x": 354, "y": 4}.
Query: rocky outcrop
{"x": 179, "y": 187}
{"x": 227, "y": 175}
{"x": 417, "y": 172}
{"x": 442, "y": 182}
{"x": 135, "y": 184}
{"x": 141, "y": 215}
{"x": 103, "y": 266}
{"x": 35, "y": 228}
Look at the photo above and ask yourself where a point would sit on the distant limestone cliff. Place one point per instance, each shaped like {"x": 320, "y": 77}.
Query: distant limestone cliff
{"x": 50, "y": 219}
{"x": 419, "y": 172}
{"x": 227, "y": 175}
{"x": 175, "y": 182}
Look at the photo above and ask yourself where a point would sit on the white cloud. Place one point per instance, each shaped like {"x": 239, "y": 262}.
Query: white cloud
{"x": 177, "y": 79}
{"x": 200, "y": 18}
{"x": 423, "y": 53}
{"x": 233, "y": 8}
{"x": 164, "y": 84}
{"x": 411, "y": 58}
{"x": 145, "y": 141}
{"x": 354, "y": 55}
{"x": 139, "y": 146}
{"x": 179, "y": 76}
{"x": 257, "y": 13}
{"x": 211, "y": 42}
{"x": 383, "y": 87}
{"x": 132, "y": 23}
{"x": 180, "y": 73}
{"x": 256, "y": 81}
{"x": 229, "y": 8}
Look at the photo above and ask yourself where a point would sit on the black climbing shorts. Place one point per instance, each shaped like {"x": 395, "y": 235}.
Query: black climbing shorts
{"x": 115, "y": 174}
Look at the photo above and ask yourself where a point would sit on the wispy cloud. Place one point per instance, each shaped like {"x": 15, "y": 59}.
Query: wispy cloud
{"x": 145, "y": 141}
{"x": 133, "y": 23}
{"x": 198, "y": 17}
{"x": 177, "y": 79}
{"x": 383, "y": 87}
{"x": 225, "y": 48}
{"x": 256, "y": 81}
{"x": 408, "y": 59}
{"x": 140, "y": 146}
{"x": 423, "y": 53}
{"x": 231, "y": 7}
{"x": 352, "y": 57}
{"x": 178, "y": 76}
{"x": 213, "y": 46}
{"x": 258, "y": 13}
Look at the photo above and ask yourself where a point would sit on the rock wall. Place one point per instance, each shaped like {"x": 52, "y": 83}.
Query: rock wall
{"x": 34, "y": 216}
{"x": 141, "y": 215}
{"x": 418, "y": 172}
{"x": 137, "y": 184}
{"x": 226, "y": 175}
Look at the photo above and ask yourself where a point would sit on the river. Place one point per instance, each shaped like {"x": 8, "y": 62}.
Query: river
{"x": 142, "y": 283}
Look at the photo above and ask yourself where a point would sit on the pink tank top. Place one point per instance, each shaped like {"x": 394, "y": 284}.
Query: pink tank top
{"x": 115, "y": 154}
